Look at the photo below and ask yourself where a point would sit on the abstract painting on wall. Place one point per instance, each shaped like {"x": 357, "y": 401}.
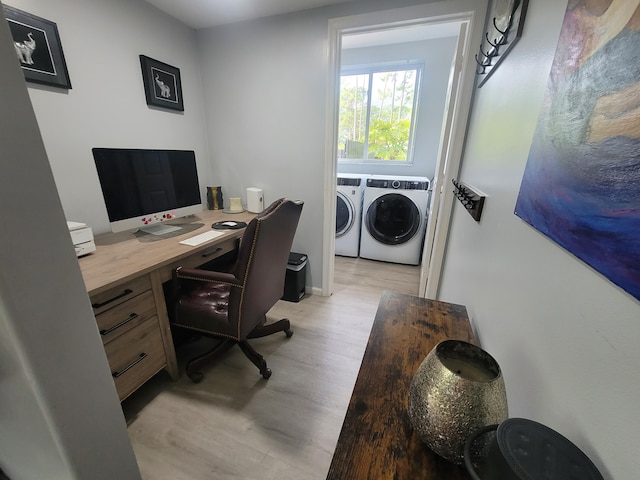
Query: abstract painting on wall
{"x": 581, "y": 185}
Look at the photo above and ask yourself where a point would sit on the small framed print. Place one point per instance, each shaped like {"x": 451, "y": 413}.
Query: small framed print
{"x": 162, "y": 85}
{"x": 38, "y": 48}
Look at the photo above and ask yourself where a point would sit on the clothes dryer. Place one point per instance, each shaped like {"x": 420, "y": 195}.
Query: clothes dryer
{"x": 394, "y": 218}
{"x": 348, "y": 213}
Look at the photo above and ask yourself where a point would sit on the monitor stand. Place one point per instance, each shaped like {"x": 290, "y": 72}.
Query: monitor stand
{"x": 160, "y": 229}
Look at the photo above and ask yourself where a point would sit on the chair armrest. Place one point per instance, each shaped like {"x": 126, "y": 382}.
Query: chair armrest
{"x": 200, "y": 275}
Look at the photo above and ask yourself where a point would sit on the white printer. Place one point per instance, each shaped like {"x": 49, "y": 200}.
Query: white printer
{"x": 82, "y": 237}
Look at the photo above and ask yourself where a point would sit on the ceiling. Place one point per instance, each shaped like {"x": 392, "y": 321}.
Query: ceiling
{"x": 209, "y": 13}
{"x": 412, "y": 33}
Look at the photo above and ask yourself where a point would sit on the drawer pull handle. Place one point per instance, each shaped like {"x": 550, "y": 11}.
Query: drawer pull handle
{"x": 141, "y": 357}
{"x": 205, "y": 255}
{"x": 115, "y": 327}
{"x": 107, "y": 302}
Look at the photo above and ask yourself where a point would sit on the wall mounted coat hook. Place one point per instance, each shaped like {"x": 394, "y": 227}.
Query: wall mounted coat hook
{"x": 471, "y": 200}
{"x": 504, "y": 32}
{"x": 489, "y": 55}
{"x": 503, "y": 29}
{"x": 482, "y": 66}
{"x": 496, "y": 43}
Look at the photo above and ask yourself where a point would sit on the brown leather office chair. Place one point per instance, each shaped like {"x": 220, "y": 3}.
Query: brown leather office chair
{"x": 232, "y": 306}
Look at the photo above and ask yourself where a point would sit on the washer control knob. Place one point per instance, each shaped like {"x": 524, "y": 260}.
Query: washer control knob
{"x": 395, "y": 184}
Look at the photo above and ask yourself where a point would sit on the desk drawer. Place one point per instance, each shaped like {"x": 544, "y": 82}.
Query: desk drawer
{"x": 136, "y": 356}
{"x": 120, "y": 294}
{"x": 125, "y": 316}
{"x": 199, "y": 258}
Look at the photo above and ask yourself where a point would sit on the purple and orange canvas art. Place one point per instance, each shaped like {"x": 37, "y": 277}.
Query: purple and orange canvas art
{"x": 581, "y": 185}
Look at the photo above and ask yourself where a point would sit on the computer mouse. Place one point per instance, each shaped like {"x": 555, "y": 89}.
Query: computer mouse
{"x": 229, "y": 224}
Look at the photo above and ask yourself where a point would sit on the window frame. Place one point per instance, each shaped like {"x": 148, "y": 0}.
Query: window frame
{"x": 380, "y": 67}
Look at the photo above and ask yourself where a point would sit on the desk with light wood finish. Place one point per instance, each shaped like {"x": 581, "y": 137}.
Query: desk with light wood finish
{"x": 124, "y": 278}
{"x": 377, "y": 440}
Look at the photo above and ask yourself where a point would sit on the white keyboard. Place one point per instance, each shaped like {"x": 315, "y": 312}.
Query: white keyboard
{"x": 201, "y": 238}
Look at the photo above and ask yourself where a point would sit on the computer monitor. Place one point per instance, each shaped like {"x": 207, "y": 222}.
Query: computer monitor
{"x": 144, "y": 188}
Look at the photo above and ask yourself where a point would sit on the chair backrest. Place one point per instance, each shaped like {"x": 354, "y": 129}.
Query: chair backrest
{"x": 262, "y": 262}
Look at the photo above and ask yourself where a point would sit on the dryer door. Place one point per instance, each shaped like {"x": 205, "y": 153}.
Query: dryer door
{"x": 344, "y": 214}
{"x": 392, "y": 219}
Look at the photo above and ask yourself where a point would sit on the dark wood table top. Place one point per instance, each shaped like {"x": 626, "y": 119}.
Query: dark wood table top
{"x": 377, "y": 440}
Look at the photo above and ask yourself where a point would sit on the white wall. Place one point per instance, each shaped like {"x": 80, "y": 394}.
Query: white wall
{"x": 243, "y": 133}
{"x": 437, "y": 55}
{"x": 565, "y": 337}
{"x": 265, "y": 96}
{"x": 106, "y": 106}
{"x": 60, "y": 416}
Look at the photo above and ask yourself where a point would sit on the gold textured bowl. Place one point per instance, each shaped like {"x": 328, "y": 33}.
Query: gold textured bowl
{"x": 456, "y": 390}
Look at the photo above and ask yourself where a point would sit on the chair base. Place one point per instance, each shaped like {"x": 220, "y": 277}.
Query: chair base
{"x": 195, "y": 364}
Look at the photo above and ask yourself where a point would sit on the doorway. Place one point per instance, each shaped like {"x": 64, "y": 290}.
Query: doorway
{"x": 404, "y": 24}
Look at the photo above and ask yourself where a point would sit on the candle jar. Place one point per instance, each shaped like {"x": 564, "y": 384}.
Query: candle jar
{"x": 456, "y": 390}
{"x": 235, "y": 204}
{"x": 214, "y": 198}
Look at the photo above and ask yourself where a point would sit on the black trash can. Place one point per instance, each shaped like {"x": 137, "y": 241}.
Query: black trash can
{"x": 523, "y": 449}
{"x": 295, "y": 278}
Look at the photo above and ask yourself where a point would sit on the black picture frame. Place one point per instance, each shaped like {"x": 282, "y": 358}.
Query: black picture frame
{"x": 38, "y": 48}
{"x": 162, "y": 84}
{"x": 505, "y": 23}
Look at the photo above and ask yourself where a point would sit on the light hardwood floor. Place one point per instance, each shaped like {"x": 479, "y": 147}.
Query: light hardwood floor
{"x": 236, "y": 425}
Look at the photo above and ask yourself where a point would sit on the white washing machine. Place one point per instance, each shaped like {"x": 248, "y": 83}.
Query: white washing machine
{"x": 349, "y": 213}
{"x": 394, "y": 218}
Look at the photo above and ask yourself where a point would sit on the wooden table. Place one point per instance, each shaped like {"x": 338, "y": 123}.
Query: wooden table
{"x": 124, "y": 278}
{"x": 377, "y": 440}
{"x": 123, "y": 256}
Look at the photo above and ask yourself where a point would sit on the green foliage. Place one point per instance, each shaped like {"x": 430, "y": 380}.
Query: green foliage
{"x": 389, "y": 111}
{"x": 389, "y": 140}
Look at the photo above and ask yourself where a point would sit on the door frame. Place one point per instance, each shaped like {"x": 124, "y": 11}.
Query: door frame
{"x": 470, "y": 12}
{"x": 441, "y": 204}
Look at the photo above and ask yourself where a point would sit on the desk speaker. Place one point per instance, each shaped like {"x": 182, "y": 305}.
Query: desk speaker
{"x": 255, "y": 202}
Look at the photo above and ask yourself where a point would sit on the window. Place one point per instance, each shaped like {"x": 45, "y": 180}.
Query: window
{"x": 377, "y": 114}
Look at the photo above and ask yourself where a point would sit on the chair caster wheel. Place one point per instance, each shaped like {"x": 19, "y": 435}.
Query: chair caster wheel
{"x": 195, "y": 377}
{"x": 288, "y": 332}
{"x": 266, "y": 374}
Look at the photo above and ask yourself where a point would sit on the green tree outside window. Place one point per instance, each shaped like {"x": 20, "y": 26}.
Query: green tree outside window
{"x": 377, "y": 109}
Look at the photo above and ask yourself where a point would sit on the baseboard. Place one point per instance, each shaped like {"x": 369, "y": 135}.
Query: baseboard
{"x": 313, "y": 290}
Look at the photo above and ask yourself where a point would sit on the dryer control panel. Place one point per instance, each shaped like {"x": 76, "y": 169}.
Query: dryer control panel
{"x": 397, "y": 184}
{"x": 351, "y": 182}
